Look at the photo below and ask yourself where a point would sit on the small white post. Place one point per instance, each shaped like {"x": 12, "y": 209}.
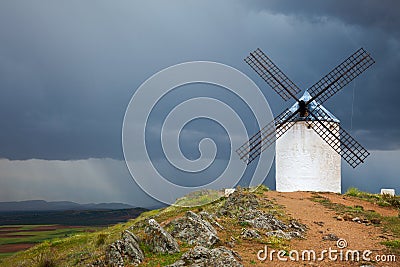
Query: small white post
{"x": 385, "y": 191}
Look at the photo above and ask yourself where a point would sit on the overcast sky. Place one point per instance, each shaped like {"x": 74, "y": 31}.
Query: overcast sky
{"x": 68, "y": 70}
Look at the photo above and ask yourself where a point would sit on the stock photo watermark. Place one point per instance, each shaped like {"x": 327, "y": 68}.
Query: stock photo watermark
{"x": 136, "y": 146}
{"x": 339, "y": 253}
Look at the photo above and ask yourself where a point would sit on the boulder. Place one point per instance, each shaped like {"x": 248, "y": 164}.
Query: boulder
{"x": 159, "y": 240}
{"x": 200, "y": 256}
{"x": 125, "y": 249}
{"x": 330, "y": 237}
{"x": 299, "y": 227}
{"x": 279, "y": 234}
{"x": 210, "y": 218}
{"x": 194, "y": 230}
{"x": 261, "y": 220}
{"x": 238, "y": 202}
{"x": 114, "y": 254}
{"x": 250, "y": 233}
{"x": 132, "y": 249}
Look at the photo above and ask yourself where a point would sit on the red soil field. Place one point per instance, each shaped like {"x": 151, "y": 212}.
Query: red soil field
{"x": 15, "y": 236}
{"x": 10, "y": 228}
{"x": 15, "y": 247}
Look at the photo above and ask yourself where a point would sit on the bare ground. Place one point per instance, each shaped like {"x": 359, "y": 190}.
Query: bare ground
{"x": 321, "y": 221}
{"x": 15, "y": 247}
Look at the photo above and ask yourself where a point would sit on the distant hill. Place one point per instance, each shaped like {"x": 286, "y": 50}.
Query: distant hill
{"x": 42, "y": 205}
{"x": 70, "y": 217}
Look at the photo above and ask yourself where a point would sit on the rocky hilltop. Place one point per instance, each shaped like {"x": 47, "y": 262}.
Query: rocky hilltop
{"x": 207, "y": 237}
{"x": 260, "y": 228}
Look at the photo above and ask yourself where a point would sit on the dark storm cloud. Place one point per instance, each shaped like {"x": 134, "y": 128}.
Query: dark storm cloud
{"x": 366, "y": 13}
{"x": 68, "y": 69}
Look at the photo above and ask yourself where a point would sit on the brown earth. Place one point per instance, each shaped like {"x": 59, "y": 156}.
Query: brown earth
{"x": 321, "y": 221}
{"x": 36, "y": 229}
{"x": 54, "y": 227}
{"x": 7, "y": 228}
{"x": 15, "y": 236}
{"x": 12, "y": 232}
{"x": 15, "y": 247}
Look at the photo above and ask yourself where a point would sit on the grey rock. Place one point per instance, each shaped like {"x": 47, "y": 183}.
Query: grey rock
{"x": 179, "y": 263}
{"x": 200, "y": 256}
{"x": 250, "y": 233}
{"x": 97, "y": 263}
{"x": 159, "y": 240}
{"x": 238, "y": 202}
{"x": 132, "y": 249}
{"x": 223, "y": 256}
{"x": 114, "y": 254}
{"x": 279, "y": 233}
{"x": 250, "y": 215}
{"x": 330, "y": 237}
{"x": 275, "y": 227}
{"x": 295, "y": 234}
{"x": 210, "y": 218}
{"x": 194, "y": 230}
{"x": 285, "y": 235}
{"x": 127, "y": 248}
{"x": 263, "y": 220}
{"x": 298, "y": 227}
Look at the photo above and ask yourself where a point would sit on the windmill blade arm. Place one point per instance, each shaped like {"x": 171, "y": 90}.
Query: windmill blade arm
{"x": 271, "y": 74}
{"x": 341, "y": 141}
{"x": 340, "y": 76}
{"x": 264, "y": 138}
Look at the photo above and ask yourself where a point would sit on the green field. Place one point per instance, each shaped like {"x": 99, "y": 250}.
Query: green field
{"x": 14, "y": 238}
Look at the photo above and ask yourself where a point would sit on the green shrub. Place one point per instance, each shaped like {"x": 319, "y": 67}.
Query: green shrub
{"x": 392, "y": 243}
{"x": 393, "y": 201}
{"x": 244, "y": 224}
{"x": 260, "y": 189}
{"x": 101, "y": 239}
{"x": 354, "y": 192}
{"x": 45, "y": 260}
{"x": 384, "y": 200}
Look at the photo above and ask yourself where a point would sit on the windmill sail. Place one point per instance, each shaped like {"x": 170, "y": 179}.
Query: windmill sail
{"x": 340, "y": 76}
{"x": 264, "y": 138}
{"x": 341, "y": 141}
{"x": 271, "y": 74}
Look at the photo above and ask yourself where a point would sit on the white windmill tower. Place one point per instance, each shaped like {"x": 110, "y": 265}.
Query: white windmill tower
{"x": 310, "y": 141}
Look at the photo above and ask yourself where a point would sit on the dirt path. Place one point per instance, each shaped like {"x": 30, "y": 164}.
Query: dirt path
{"x": 321, "y": 222}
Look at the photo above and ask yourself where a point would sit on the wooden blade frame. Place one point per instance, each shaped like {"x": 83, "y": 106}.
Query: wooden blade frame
{"x": 341, "y": 141}
{"x": 264, "y": 138}
{"x": 340, "y": 76}
{"x": 271, "y": 74}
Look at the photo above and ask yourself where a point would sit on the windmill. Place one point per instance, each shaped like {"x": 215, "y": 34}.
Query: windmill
{"x": 309, "y": 139}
